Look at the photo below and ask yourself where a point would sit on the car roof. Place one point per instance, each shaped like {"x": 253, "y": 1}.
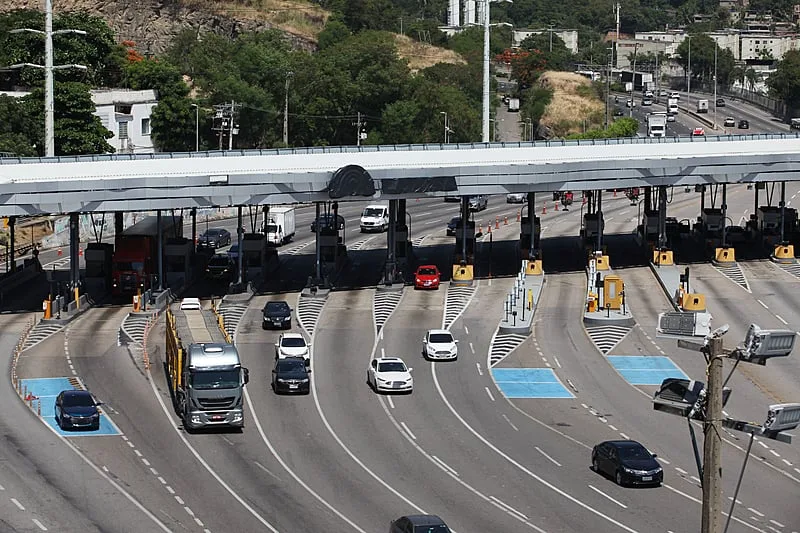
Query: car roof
{"x": 389, "y": 360}
{"x": 76, "y": 392}
{"x": 274, "y": 303}
{"x": 424, "y": 519}
{"x": 432, "y": 331}
{"x": 426, "y": 266}
{"x": 624, "y": 443}
{"x": 292, "y": 336}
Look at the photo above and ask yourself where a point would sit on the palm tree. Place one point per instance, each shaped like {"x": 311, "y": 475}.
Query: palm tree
{"x": 752, "y": 78}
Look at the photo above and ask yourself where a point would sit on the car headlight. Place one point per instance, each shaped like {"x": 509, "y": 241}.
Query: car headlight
{"x": 237, "y": 417}
{"x": 281, "y": 380}
{"x": 195, "y": 419}
{"x": 304, "y": 380}
{"x": 383, "y": 380}
{"x": 66, "y": 415}
{"x": 628, "y": 470}
{"x": 286, "y": 318}
{"x": 96, "y": 415}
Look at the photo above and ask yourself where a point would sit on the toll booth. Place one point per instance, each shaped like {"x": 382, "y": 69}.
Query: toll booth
{"x": 613, "y": 292}
{"x": 529, "y": 236}
{"x": 593, "y": 225}
{"x": 254, "y": 252}
{"x": 767, "y": 224}
{"x": 649, "y": 227}
{"x": 178, "y": 267}
{"x": 99, "y": 260}
{"x": 709, "y": 226}
{"x": 470, "y": 244}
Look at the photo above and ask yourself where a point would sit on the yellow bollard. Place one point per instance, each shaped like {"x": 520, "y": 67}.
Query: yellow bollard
{"x": 530, "y": 299}
{"x": 77, "y": 298}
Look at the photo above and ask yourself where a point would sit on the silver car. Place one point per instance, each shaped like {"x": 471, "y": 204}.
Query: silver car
{"x": 516, "y": 198}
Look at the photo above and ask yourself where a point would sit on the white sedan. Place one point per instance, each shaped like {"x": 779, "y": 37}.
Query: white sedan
{"x": 191, "y": 304}
{"x": 389, "y": 374}
{"x": 439, "y": 344}
{"x": 292, "y": 345}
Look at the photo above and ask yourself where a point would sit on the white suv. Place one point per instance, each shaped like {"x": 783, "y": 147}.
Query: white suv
{"x": 292, "y": 345}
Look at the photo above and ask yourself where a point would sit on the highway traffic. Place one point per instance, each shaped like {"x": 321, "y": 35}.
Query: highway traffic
{"x": 463, "y": 445}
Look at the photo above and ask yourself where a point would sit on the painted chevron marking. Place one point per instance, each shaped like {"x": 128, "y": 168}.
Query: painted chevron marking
{"x": 605, "y": 338}
{"x": 734, "y": 273}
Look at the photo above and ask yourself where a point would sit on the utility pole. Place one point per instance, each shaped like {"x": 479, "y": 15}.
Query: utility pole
{"x": 712, "y": 442}
{"x": 358, "y": 124}
{"x": 616, "y": 42}
{"x": 715, "y": 86}
{"x": 485, "y": 133}
{"x": 286, "y": 109}
{"x": 689, "y": 70}
{"x": 230, "y": 135}
{"x": 225, "y": 122}
{"x": 633, "y": 80}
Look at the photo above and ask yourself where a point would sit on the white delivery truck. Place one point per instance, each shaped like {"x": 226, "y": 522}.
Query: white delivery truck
{"x": 672, "y": 106}
{"x": 656, "y": 124}
{"x": 375, "y": 218}
{"x": 702, "y": 106}
{"x": 513, "y": 104}
{"x": 279, "y": 226}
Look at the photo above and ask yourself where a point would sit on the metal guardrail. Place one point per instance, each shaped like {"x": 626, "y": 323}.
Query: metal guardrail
{"x": 221, "y": 322}
{"x": 174, "y": 352}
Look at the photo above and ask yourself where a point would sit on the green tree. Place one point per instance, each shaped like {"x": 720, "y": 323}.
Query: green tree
{"x": 15, "y": 127}
{"x": 553, "y": 52}
{"x": 335, "y": 31}
{"x": 784, "y": 83}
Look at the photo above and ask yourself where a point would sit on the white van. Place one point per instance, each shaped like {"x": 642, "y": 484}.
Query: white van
{"x": 375, "y": 218}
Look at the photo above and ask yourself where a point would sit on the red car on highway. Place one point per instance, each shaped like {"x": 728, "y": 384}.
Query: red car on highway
{"x": 427, "y": 277}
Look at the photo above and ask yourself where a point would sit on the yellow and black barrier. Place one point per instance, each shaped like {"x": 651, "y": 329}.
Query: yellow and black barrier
{"x": 784, "y": 253}
{"x": 725, "y": 255}
{"x": 663, "y": 257}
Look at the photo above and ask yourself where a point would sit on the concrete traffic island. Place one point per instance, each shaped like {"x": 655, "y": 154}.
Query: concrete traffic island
{"x": 605, "y": 295}
{"x": 675, "y": 283}
{"x": 520, "y": 304}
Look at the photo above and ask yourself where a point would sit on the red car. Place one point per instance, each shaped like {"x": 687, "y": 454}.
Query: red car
{"x": 427, "y": 277}
{"x": 698, "y": 132}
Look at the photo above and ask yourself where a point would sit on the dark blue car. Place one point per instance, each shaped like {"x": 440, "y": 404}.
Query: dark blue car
{"x": 77, "y": 409}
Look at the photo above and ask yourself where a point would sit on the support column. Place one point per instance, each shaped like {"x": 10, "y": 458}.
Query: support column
{"x": 119, "y": 222}
{"x": 648, "y": 199}
{"x": 464, "y": 232}
{"x": 402, "y": 236}
{"x": 783, "y": 212}
{"x": 239, "y": 235}
{"x": 755, "y": 203}
{"x": 160, "y": 246}
{"x": 724, "y": 214}
{"x": 318, "y": 246}
{"x": 74, "y": 250}
{"x": 534, "y": 248}
{"x": 662, "y": 217}
{"x": 12, "y": 242}
{"x": 389, "y": 271}
{"x": 600, "y": 220}
{"x": 702, "y": 198}
{"x": 193, "y": 214}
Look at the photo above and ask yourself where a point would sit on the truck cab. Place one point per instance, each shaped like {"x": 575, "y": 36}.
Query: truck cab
{"x": 702, "y": 106}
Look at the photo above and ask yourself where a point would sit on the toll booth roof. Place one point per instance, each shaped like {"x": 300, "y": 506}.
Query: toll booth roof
{"x": 213, "y": 354}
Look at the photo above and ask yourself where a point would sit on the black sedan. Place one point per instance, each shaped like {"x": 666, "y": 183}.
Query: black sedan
{"x": 452, "y": 225}
{"x": 291, "y": 375}
{"x": 326, "y": 220}
{"x": 220, "y": 267}
{"x": 77, "y": 409}
{"x": 628, "y": 462}
{"x": 277, "y": 314}
{"x": 215, "y": 238}
{"x": 744, "y": 125}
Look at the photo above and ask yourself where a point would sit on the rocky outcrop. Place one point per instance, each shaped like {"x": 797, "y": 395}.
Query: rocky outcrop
{"x": 152, "y": 24}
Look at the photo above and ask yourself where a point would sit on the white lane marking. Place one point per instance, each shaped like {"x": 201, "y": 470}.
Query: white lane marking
{"x": 39, "y": 524}
{"x": 179, "y": 500}
{"x": 601, "y": 493}
{"x": 508, "y": 507}
{"x": 760, "y": 515}
{"x": 612, "y": 428}
{"x": 188, "y": 511}
{"x": 138, "y": 453}
{"x": 196, "y": 454}
{"x": 480, "y": 372}
{"x": 491, "y": 397}
{"x": 511, "y": 423}
{"x": 267, "y": 470}
{"x": 520, "y": 466}
{"x": 466, "y": 329}
{"x": 773, "y": 452}
{"x": 154, "y": 471}
{"x": 661, "y": 459}
{"x": 776, "y": 523}
{"x": 145, "y": 461}
{"x": 391, "y": 403}
{"x": 2, "y": 487}
{"x": 383, "y": 352}
{"x": 16, "y": 502}
{"x": 162, "y": 480}
{"x": 681, "y": 471}
{"x": 788, "y": 463}
{"x": 471, "y": 348}
{"x": 557, "y": 362}
{"x": 170, "y": 489}
{"x": 547, "y": 456}
{"x": 695, "y": 479}
{"x": 779, "y": 317}
{"x": 444, "y": 465}
{"x": 697, "y": 501}
{"x": 762, "y": 304}
{"x": 624, "y": 436}
{"x": 762, "y": 445}
{"x": 410, "y": 434}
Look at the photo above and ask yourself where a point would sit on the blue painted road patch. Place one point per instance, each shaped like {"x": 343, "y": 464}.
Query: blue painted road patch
{"x": 46, "y": 390}
{"x": 529, "y": 383}
{"x": 645, "y": 370}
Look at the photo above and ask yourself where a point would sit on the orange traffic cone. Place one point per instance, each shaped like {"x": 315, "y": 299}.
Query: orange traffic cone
{"x": 488, "y": 228}
{"x": 60, "y": 253}
{"x": 556, "y": 205}
{"x": 80, "y": 252}
{"x": 505, "y": 220}
{"x": 496, "y": 222}
{"x": 544, "y": 209}
{"x": 518, "y": 214}
{"x": 615, "y": 193}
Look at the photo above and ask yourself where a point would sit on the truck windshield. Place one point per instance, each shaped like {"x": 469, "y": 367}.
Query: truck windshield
{"x": 271, "y": 228}
{"x": 215, "y": 379}
{"x": 122, "y": 266}
{"x": 372, "y": 212}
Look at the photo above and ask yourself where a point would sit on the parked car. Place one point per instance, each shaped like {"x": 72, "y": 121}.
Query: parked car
{"x": 427, "y": 277}
{"x": 220, "y": 267}
{"x": 478, "y": 203}
{"x": 276, "y": 314}
{"x": 77, "y": 409}
{"x": 291, "y": 376}
{"x": 389, "y": 374}
{"x": 627, "y": 462}
{"x": 452, "y": 225}
{"x": 214, "y": 238}
{"x": 516, "y": 198}
{"x": 191, "y": 304}
{"x": 744, "y": 125}
{"x": 618, "y": 112}
{"x": 720, "y": 102}
{"x": 730, "y": 122}
{"x": 698, "y": 132}
{"x": 420, "y": 523}
{"x": 292, "y": 345}
{"x": 439, "y": 344}
{"x": 326, "y": 220}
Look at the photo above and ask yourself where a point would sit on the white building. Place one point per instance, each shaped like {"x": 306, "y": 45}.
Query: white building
{"x": 126, "y": 114}
{"x": 755, "y": 46}
{"x": 627, "y": 47}
{"x": 570, "y": 37}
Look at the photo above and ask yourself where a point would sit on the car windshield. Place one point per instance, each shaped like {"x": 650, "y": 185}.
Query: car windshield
{"x": 213, "y": 232}
{"x": 441, "y": 528}
{"x": 291, "y": 365}
{"x": 441, "y": 338}
{"x": 395, "y": 366}
{"x": 215, "y": 379}
{"x": 77, "y": 400}
{"x": 633, "y": 452}
{"x": 427, "y": 271}
{"x": 276, "y": 307}
{"x": 219, "y": 261}
{"x": 372, "y": 212}
{"x": 293, "y": 342}
{"x": 455, "y": 220}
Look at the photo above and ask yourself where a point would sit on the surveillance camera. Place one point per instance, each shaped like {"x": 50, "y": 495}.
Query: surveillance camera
{"x": 719, "y": 332}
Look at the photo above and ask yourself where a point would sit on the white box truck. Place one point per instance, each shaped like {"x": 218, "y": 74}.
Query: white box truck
{"x": 672, "y": 106}
{"x": 513, "y": 104}
{"x": 279, "y": 227}
{"x": 656, "y": 125}
{"x": 702, "y": 106}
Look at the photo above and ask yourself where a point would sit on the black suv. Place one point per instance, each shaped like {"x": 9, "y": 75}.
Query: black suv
{"x": 215, "y": 238}
{"x": 291, "y": 375}
{"x": 277, "y": 314}
{"x": 419, "y": 523}
{"x": 220, "y": 267}
{"x": 452, "y": 225}
{"x": 326, "y": 220}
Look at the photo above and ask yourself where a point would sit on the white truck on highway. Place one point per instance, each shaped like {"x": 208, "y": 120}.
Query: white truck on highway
{"x": 513, "y": 104}
{"x": 672, "y": 108}
{"x": 280, "y": 225}
{"x": 656, "y": 124}
{"x": 702, "y": 106}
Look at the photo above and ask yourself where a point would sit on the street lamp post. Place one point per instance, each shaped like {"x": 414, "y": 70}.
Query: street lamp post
{"x": 49, "y": 121}
{"x": 715, "y": 85}
{"x": 550, "y": 30}
{"x": 286, "y": 110}
{"x": 689, "y": 70}
{"x": 446, "y": 128}
{"x": 485, "y": 136}
{"x": 196, "y": 127}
